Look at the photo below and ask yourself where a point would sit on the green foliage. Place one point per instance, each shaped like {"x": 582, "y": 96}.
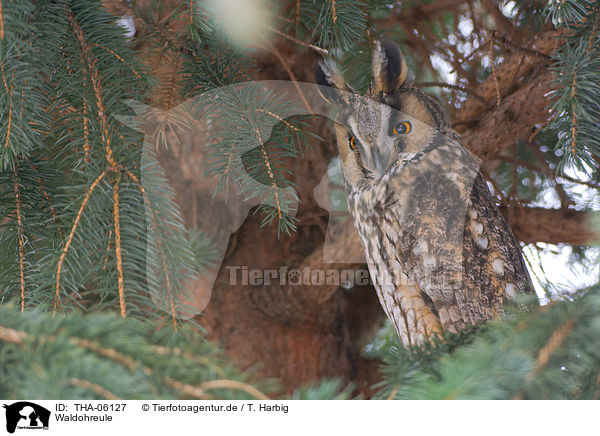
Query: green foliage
{"x": 22, "y": 94}
{"x": 210, "y": 71}
{"x": 530, "y": 14}
{"x": 356, "y": 66}
{"x": 324, "y": 390}
{"x": 547, "y": 354}
{"x": 575, "y": 110}
{"x": 203, "y": 249}
{"x": 569, "y": 13}
{"x": 103, "y": 356}
{"x": 72, "y": 176}
{"x": 243, "y": 152}
{"x": 340, "y": 24}
{"x": 83, "y": 215}
{"x": 211, "y": 64}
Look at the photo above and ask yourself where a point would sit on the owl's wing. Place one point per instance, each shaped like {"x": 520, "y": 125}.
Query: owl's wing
{"x": 493, "y": 263}
{"x": 450, "y": 238}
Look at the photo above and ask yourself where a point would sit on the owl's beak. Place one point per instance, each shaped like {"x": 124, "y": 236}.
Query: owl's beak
{"x": 380, "y": 161}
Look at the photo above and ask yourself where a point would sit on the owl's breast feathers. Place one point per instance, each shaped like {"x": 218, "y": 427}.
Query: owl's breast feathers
{"x": 433, "y": 237}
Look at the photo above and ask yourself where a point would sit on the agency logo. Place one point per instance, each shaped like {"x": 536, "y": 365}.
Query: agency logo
{"x": 26, "y": 415}
{"x": 229, "y": 152}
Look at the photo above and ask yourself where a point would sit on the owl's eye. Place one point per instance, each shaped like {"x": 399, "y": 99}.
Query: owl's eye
{"x": 352, "y": 143}
{"x": 402, "y": 128}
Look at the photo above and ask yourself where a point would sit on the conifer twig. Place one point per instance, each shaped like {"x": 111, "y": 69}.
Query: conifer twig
{"x": 292, "y": 76}
{"x": 52, "y": 211}
{"x": 333, "y": 13}
{"x": 1, "y": 22}
{"x": 71, "y": 234}
{"x": 497, "y": 36}
{"x": 493, "y": 62}
{"x": 97, "y": 389}
{"x": 297, "y": 16}
{"x": 452, "y": 86}
{"x": 277, "y": 117}
{"x": 233, "y": 385}
{"x": 555, "y": 341}
{"x": 21, "y": 240}
{"x": 10, "y": 107}
{"x": 158, "y": 242}
{"x": 269, "y": 169}
{"x": 557, "y": 338}
{"x": 95, "y": 78}
{"x": 573, "y": 116}
{"x": 118, "y": 249}
{"x": 116, "y": 55}
{"x": 162, "y": 350}
{"x": 108, "y": 250}
{"x": 319, "y": 50}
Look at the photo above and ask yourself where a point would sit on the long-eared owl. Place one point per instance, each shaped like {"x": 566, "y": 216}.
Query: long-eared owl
{"x": 439, "y": 252}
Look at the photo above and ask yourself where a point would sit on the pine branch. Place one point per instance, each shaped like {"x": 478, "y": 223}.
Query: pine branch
{"x": 103, "y": 356}
{"x": 539, "y": 355}
{"x": 85, "y": 160}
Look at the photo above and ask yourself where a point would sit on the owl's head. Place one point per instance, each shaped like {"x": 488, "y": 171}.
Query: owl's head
{"x": 391, "y": 120}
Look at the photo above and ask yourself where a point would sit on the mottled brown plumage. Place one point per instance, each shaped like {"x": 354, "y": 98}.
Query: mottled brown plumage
{"x": 441, "y": 255}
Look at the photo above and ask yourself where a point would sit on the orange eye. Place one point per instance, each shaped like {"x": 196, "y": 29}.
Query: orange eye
{"x": 402, "y": 128}
{"x": 351, "y": 143}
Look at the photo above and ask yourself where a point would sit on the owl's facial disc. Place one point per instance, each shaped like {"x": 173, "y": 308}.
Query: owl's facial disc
{"x": 377, "y": 136}
{"x": 373, "y": 136}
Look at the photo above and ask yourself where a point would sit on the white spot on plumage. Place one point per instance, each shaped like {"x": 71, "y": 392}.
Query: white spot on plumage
{"x": 510, "y": 290}
{"x": 429, "y": 262}
{"x": 454, "y": 177}
{"x": 435, "y": 158}
{"x": 498, "y": 266}
{"x": 482, "y": 242}
{"x": 476, "y": 228}
{"x": 420, "y": 247}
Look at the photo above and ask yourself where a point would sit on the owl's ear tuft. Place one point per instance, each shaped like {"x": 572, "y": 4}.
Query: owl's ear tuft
{"x": 327, "y": 73}
{"x": 329, "y": 78}
{"x": 389, "y": 68}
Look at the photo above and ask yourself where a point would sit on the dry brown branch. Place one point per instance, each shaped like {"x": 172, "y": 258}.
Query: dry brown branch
{"x": 497, "y": 36}
{"x": 488, "y": 133}
{"x": 552, "y": 226}
{"x": 451, "y": 86}
{"x": 319, "y": 50}
{"x": 292, "y": 76}
{"x": 494, "y": 74}
{"x": 431, "y": 9}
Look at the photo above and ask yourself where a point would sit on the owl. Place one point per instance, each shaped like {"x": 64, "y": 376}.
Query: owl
{"x": 440, "y": 254}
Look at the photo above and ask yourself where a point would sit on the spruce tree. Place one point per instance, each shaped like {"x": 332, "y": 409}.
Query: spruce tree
{"x": 99, "y": 241}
